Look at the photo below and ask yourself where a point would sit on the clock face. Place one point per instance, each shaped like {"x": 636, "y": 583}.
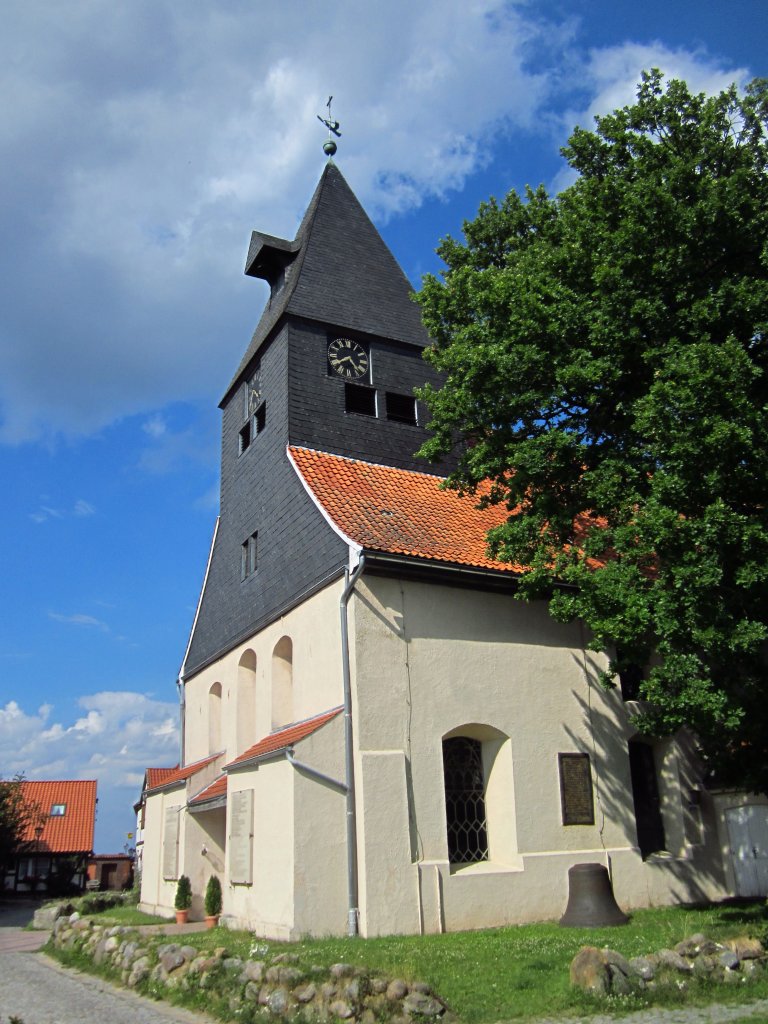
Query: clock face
{"x": 253, "y": 393}
{"x": 347, "y": 358}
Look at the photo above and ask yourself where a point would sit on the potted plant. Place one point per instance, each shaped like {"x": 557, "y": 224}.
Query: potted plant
{"x": 183, "y": 899}
{"x": 212, "y": 901}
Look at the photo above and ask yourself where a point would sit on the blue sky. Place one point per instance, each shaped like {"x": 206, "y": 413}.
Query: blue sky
{"x": 139, "y": 145}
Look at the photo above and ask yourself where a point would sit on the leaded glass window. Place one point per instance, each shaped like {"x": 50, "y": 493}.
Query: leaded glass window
{"x": 465, "y": 800}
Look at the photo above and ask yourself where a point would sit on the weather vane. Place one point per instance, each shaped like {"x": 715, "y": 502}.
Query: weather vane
{"x": 330, "y": 147}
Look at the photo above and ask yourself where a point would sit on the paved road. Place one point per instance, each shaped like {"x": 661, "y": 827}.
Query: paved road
{"x": 39, "y": 991}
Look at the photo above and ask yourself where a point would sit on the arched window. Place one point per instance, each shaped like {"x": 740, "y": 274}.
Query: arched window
{"x": 214, "y": 719}
{"x": 282, "y": 682}
{"x": 465, "y": 800}
{"x": 246, "y": 701}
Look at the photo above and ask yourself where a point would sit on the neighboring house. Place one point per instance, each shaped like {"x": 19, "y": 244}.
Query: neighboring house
{"x": 59, "y": 839}
{"x": 153, "y": 777}
{"x": 376, "y": 734}
{"x": 110, "y": 871}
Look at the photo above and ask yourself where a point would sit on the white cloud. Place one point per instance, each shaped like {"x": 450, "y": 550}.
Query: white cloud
{"x": 114, "y": 737}
{"x": 608, "y": 78}
{"x": 79, "y": 619}
{"x": 80, "y": 510}
{"x": 140, "y": 145}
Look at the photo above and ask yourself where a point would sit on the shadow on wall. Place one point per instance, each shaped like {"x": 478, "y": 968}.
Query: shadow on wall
{"x": 652, "y": 788}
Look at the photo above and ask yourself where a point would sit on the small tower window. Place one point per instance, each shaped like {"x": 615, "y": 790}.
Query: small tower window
{"x": 249, "y": 556}
{"x": 401, "y": 408}
{"x": 360, "y": 399}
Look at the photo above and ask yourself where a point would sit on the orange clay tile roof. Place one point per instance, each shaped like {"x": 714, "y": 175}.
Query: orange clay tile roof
{"x": 284, "y": 738}
{"x": 216, "y": 789}
{"x": 157, "y": 776}
{"x": 70, "y": 832}
{"x": 182, "y": 774}
{"x": 399, "y": 511}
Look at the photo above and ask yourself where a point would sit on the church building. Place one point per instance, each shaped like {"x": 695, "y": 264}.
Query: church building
{"x": 377, "y": 736}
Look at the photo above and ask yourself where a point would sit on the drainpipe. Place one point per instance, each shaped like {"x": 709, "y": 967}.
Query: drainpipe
{"x": 353, "y": 911}
{"x": 182, "y": 710}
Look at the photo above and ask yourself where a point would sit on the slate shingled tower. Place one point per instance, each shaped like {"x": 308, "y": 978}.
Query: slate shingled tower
{"x": 336, "y": 282}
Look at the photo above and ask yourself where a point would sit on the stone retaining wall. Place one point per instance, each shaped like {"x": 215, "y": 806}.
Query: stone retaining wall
{"x": 606, "y": 972}
{"x": 252, "y": 989}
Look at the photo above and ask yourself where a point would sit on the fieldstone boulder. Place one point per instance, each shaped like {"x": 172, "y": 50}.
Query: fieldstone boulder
{"x": 589, "y": 971}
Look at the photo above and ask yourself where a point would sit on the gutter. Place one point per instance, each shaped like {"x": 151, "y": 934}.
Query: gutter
{"x": 353, "y": 911}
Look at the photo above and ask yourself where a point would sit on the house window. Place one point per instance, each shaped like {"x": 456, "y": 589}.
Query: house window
{"x": 360, "y": 399}
{"x": 465, "y": 800}
{"x": 58, "y": 810}
{"x": 645, "y": 793}
{"x": 401, "y": 408}
{"x": 249, "y": 556}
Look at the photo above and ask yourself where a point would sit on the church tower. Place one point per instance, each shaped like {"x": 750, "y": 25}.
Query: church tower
{"x": 332, "y": 366}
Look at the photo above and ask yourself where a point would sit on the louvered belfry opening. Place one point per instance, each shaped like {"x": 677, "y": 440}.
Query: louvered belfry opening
{"x": 465, "y": 800}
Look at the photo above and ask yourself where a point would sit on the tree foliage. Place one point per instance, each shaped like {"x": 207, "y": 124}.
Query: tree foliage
{"x": 605, "y": 357}
{"x": 18, "y": 821}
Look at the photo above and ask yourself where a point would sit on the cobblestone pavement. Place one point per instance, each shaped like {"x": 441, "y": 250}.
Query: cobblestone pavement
{"x": 39, "y": 991}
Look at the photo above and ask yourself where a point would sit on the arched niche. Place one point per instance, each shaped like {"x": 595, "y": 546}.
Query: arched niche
{"x": 282, "y": 683}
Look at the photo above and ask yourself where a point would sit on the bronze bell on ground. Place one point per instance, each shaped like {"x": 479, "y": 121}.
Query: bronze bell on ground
{"x": 591, "y": 903}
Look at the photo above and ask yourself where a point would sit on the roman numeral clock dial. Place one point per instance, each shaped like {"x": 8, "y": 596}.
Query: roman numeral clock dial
{"x": 347, "y": 359}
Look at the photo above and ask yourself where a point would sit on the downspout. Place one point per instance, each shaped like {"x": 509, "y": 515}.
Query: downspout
{"x": 353, "y": 911}
{"x": 182, "y": 716}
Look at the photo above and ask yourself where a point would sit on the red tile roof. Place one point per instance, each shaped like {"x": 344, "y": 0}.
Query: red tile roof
{"x": 70, "y": 832}
{"x": 399, "y": 511}
{"x": 178, "y": 775}
{"x": 217, "y": 788}
{"x": 284, "y": 738}
{"x": 157, "y": 776}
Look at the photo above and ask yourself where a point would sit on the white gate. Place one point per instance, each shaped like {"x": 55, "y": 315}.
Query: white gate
{"x": 748, "y": 833}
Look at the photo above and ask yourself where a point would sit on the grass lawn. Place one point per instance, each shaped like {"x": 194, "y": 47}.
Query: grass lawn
{"x": 522, "y": 972}
{"x": 129, "y": 916}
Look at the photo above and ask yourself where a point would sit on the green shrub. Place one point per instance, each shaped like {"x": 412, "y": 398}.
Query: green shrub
{"x": 213, "y": 897}
{"x": 183, "y": 899}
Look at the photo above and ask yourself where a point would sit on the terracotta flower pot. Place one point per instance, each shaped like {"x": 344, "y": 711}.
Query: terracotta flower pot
{"x": 211, "y": 920}
{"x": 181, "y": 916}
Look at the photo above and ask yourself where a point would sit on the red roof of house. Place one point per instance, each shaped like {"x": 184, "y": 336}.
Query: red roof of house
{"x": 216, "y": 789}
{"x": 284, "y": 738}
{"x": 70, "y": 832}
{"x": 382, "y": 508}
{"x": 177, "y": 775}
{"x": 157, "y": 776}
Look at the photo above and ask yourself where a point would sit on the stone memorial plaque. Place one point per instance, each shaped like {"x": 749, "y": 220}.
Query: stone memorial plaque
{"x": 171, "y": 843}
{"x": 576, "y": 789}
{"x": 241, "y": 838}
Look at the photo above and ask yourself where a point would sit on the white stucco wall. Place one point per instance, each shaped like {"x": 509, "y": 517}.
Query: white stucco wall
{"x": 431, "y": 660}
{"x": 427, "y": 662}
{"x": 314, "y": 630}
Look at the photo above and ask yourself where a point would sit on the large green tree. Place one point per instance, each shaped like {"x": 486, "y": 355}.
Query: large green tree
{"x": 605, "y": 354}
{"x": 18, "y": 820}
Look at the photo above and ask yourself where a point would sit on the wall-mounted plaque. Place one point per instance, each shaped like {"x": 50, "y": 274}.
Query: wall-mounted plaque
{"x": 240, "y": 842}
{"x": 576, "y": 789}
{"x": 171, "y": 843}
